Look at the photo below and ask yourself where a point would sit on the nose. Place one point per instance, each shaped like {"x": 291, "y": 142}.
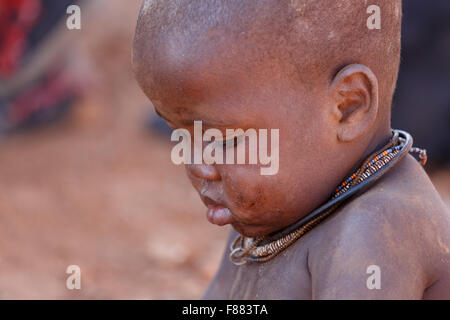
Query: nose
{"x": 204, "y": 171}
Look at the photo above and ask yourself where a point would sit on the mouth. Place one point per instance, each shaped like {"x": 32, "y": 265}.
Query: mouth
{"x": 217, "y": 213}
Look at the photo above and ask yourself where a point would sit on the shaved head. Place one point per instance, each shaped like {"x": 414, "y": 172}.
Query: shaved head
{"x": 306, "y": 40}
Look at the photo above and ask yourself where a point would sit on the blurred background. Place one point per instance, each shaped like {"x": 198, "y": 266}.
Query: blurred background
{"x": 85, "y": 170}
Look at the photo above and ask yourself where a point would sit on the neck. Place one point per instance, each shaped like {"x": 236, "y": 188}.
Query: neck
{"x": 380, "y": 138}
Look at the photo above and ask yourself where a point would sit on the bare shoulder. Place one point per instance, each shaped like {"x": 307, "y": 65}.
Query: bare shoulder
{"x": 400, "y": 227}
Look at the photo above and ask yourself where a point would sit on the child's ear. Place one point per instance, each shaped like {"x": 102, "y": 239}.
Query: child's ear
{"x": 355, "y": 94}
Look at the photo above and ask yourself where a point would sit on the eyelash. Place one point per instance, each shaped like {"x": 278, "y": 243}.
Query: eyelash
{"x": 230, "y": 142}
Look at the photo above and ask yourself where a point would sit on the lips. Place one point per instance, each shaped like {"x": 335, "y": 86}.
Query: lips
{"x": 219, "y": 215}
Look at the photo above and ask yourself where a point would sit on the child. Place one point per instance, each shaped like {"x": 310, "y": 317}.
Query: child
{"x": 314, "y": 70}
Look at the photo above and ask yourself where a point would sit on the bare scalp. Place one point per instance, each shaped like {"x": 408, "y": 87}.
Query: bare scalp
{"x": 312, "y": 39}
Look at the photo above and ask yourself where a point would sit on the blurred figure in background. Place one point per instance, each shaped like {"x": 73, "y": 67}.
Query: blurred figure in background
{"x": 35, "y": 87}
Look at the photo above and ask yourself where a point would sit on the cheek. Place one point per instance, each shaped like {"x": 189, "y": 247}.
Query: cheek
{"x": 241, "y": 186}
{"x": 251, "y": 194}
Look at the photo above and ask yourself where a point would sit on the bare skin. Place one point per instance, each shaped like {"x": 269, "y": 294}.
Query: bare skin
{"x": 400, "y": 225}
{"x": 330, "y": 113}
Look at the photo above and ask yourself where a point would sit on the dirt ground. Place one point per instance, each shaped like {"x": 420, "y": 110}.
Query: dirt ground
{"x": 98, "y": 190}
{"x": 108, "y": 201}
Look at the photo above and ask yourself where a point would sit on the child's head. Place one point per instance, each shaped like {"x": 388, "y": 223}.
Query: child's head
{"x": 310, "y": 68}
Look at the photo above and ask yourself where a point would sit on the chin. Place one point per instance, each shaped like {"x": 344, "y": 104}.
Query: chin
{"x": 252, "y": 231}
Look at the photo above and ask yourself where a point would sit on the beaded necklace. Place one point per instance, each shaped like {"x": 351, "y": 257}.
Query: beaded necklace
{"x": 245, "y": 249}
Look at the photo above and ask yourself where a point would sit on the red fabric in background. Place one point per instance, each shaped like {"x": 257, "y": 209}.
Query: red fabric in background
{"x": 17, "y": 17}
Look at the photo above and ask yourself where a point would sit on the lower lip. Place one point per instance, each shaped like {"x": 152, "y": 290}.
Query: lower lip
{"x": 219, "y": 215}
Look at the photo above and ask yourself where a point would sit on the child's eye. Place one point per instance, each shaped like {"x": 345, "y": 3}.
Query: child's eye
{"x": 231, "y": 143}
